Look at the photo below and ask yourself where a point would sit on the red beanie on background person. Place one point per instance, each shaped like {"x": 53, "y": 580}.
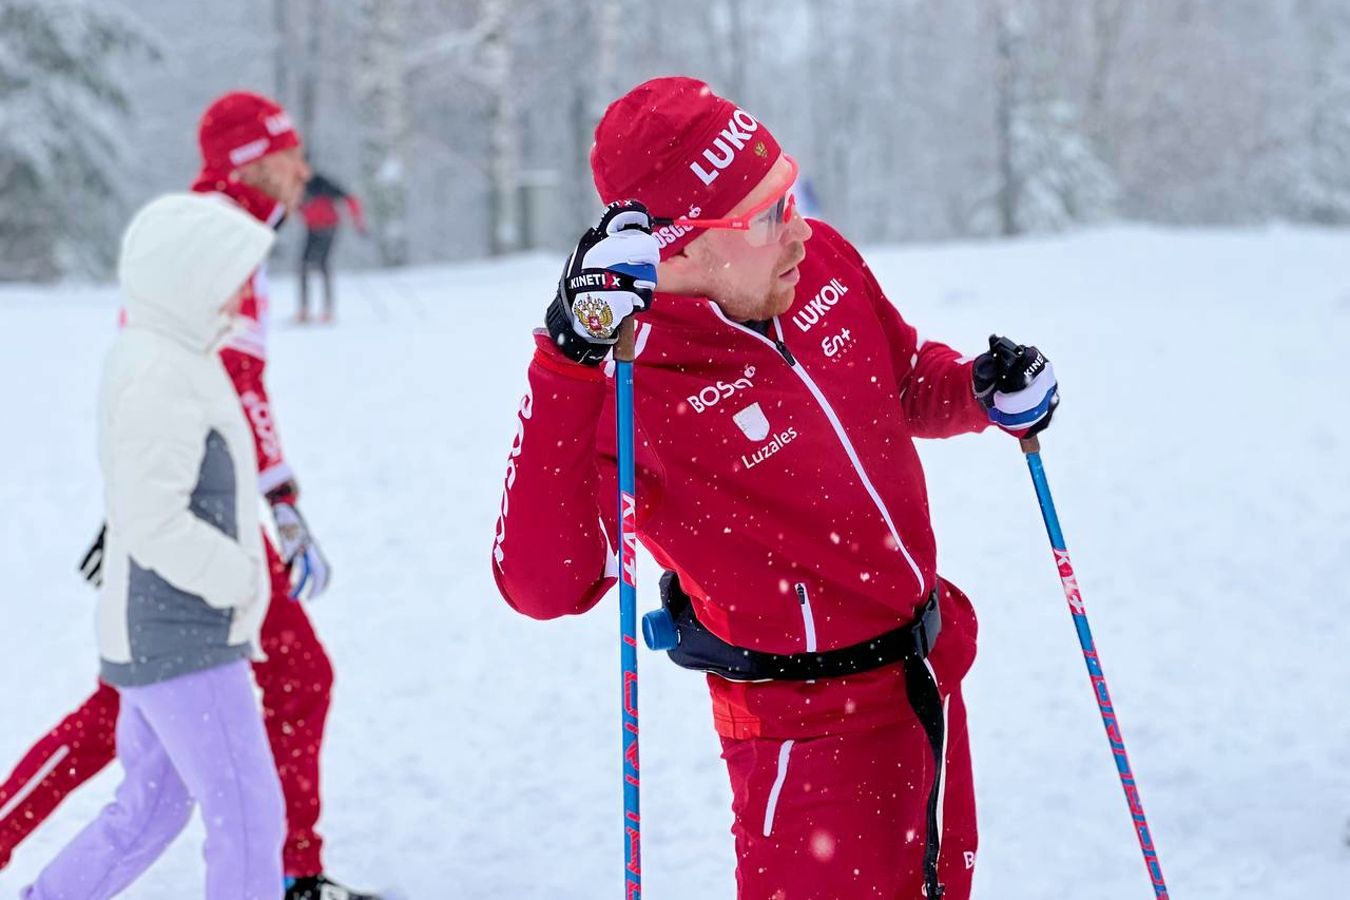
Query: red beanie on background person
{"x": 682, "y": 151}
{"x": 241, "y": 127}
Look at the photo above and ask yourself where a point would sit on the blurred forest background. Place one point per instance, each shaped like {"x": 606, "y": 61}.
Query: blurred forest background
{"x": 464, "y": 125}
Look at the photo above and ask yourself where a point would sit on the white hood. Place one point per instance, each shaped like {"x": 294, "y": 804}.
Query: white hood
{"x": 183, "y": 255}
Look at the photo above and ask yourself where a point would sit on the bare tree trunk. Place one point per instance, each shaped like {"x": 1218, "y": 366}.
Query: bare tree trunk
{"x": 1108, "y": 21}
{"x": 503, "y": 131}
{"x": 607, "y": 35}
{"x": 281, "y": 54}
{"x": 594, "y": 89}
{"x": 1005, "y": 100}
{"x": 834, "y": 101}
{"x": 312, "y": 71}
{"x": 738, "y": 43}
{"x": 382, "y": 98}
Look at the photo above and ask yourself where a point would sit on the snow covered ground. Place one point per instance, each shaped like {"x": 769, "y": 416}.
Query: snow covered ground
{"x": 1201, "y": 461}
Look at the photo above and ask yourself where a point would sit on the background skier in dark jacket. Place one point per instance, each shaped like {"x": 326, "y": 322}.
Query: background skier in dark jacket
{"x": 322, "y": 218}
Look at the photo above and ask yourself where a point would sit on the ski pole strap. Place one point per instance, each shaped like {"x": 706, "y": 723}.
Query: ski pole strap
{"x": 701, "y": 650}
{"x": 926, "y": 700}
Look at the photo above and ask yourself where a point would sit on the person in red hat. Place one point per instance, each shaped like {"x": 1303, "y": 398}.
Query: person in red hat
{"x": 252, "y": 156}
{"x": 778, "y": 397}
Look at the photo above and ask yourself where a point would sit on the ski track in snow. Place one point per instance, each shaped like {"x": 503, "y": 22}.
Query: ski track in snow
{"x": 1199, "y": 461}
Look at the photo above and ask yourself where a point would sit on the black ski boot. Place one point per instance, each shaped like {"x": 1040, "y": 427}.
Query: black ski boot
{"x": 320, "y": 887}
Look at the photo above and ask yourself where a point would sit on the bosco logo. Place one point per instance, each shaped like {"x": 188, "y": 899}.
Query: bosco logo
{"x": 669, "y": 234}
{"x": 713, "y": 394}
{"x": 526, "y": 410}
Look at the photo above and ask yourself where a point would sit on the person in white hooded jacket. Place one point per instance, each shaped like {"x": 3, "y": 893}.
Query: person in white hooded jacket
{"x": 185, "y": 586}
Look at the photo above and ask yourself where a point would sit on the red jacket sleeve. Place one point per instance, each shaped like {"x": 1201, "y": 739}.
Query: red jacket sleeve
{"x": 553, "y": 553}
{"x": 936, "y": 393}
{"x": 935, "y": 385}
{"x": 357, "y": 213}
{"x": 246, "y": 371}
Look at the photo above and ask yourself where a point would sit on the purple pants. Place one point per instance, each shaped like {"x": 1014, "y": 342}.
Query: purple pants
{"x": 196, "y": 738}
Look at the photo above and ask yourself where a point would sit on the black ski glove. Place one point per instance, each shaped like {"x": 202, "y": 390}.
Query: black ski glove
{"x": 610, "y": 276}
{"x": 1017, "y": 386}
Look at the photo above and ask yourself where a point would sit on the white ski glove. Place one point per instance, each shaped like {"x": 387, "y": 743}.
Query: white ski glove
{"x": 309, "y": 568}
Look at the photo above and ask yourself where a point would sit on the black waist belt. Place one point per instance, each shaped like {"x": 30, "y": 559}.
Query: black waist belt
{"x": 704, "y": 651}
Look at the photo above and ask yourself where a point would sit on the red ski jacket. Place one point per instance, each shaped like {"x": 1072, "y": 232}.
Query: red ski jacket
{"x": 320, "y": 209}
{"x": 764, "y": 463}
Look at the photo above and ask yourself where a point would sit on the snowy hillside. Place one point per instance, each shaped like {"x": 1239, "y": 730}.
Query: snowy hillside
{"x": 1201, "y": 462}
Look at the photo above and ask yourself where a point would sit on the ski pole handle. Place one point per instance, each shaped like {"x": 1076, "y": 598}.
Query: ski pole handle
{"x": 623, "y": 348}
{"x": 1031, "y": 447}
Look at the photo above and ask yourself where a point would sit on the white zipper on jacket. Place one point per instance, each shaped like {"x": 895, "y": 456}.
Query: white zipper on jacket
{"x": 808, "y": 618}
{"x": 781, "y": 349}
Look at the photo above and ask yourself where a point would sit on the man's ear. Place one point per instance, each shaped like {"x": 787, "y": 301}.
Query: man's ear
{"x": 246, "y": 174}
{"x": 682, "y": 273}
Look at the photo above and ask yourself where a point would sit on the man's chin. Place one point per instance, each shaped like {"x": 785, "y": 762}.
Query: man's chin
{"x": 779, "y": 301}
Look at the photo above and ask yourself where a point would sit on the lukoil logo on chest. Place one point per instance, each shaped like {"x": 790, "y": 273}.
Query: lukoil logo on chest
{"x": 816, "y": 308}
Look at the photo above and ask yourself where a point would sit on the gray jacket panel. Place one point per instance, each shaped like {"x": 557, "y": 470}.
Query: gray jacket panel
{"x": 171, "y": 631}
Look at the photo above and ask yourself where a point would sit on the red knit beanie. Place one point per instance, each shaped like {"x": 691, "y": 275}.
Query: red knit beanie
{"x": 681, "y": 150}
{"x": 240, "y": 127}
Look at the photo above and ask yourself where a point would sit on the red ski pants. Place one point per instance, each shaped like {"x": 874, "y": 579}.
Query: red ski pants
{"x": 296, "y": 682}
{"x": 846, "y": 815}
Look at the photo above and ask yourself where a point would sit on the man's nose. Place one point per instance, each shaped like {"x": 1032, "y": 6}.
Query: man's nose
{"x": 798, "y": 229}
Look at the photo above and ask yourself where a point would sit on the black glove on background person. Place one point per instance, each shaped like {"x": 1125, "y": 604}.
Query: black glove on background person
{"x": 610, "y": 276}
{"x": 1017, "y": 386}
{"x": 91, "y": 567}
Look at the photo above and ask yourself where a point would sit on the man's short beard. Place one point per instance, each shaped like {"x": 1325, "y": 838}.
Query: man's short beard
{"x": 778, "y": 300}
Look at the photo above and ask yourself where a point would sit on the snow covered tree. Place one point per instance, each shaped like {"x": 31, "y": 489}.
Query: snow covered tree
{"x": 63, "y": 105}
{"x": 1322, "y": 182}
{"x": 1108, "y": 20}
{"x": 1062, "y": 179}
{"x": 466, "y": 125}
{"x": 488, "y": 57}
{"x": 1049, "y": 174}
{"x": 282, "y": 51}
{"x": 498, "y": 74}
{"x": 382, "y": 99}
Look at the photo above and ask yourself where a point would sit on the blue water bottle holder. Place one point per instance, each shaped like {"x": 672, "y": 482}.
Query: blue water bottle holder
{"x": 658, "y": 630}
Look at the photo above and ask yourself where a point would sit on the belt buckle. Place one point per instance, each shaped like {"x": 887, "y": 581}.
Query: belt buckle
{"x": 924, "y": 641}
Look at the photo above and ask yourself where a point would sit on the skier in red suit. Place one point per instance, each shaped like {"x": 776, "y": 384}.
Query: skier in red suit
{"x": 251, "y": 155}
{"x": 778, "y": 395}
{"x": 320, "y": 212}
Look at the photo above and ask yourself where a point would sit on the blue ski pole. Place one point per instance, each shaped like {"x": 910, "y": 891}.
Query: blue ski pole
{"x": 1032, "y": 448}
{"x": 632, "y": 823}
